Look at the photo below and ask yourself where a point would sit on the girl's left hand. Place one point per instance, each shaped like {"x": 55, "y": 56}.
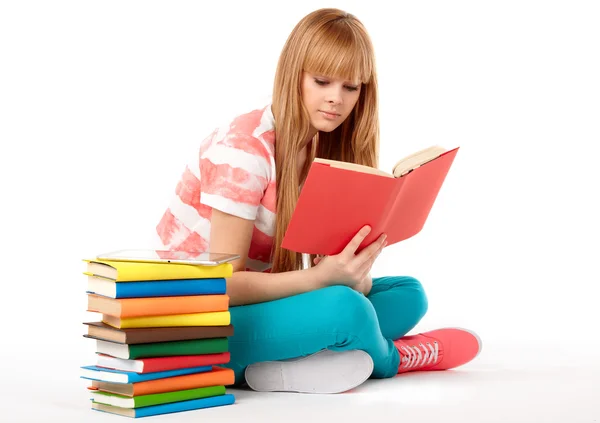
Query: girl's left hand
{"x": 365, "y": 284}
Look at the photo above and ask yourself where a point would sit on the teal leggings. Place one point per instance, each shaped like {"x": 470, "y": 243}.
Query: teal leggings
{"x": 335, "y": 318}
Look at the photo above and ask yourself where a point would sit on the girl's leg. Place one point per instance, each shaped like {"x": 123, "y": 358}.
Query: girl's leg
{"x": 340, "y": 319}
{"x": 335, "y": 318}
{"x": 400, "y": 303}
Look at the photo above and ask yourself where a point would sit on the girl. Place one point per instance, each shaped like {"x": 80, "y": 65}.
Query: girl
{"x": 324, "y": 328}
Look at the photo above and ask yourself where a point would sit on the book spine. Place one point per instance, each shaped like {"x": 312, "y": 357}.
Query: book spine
{"x": 166, "y": 349}
{"x": 134, "y": 271}
{"x": 218, "y": 318}
{"x": 170, "y": 288}
{"x": 160, "y": 364}
{"x": 176, "y": 396}
{"x": 196, "y": 404}
{"x": 389, "y": 208}
{"x": 151, "y": 335}
{"x": 163, "y": 306}
{"x": 143, "y": 377}
{"x": 219, "y": 376}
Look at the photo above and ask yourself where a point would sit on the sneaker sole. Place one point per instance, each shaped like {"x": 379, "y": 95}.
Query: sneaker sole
{"x": 334, "y": 372}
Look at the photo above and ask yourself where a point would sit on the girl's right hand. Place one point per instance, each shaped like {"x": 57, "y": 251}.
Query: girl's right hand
{"x": 348, "y": 268}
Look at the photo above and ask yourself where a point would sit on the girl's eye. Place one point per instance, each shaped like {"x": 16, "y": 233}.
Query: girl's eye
{"x": 323, "y": 83}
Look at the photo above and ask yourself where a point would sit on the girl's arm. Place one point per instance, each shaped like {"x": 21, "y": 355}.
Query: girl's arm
{"x": 232, "y": 234}
{"x": 255, "y": 287}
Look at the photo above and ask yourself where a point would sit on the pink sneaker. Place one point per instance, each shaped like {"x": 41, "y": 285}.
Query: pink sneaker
{"x": 439, "y": 349}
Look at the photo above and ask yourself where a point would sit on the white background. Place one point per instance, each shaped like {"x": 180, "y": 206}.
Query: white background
{"x": 103, "y": 103}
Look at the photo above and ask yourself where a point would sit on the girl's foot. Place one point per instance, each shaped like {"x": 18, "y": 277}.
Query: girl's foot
{"x": 325, "y": 372}
{"x": 440, "y": 349}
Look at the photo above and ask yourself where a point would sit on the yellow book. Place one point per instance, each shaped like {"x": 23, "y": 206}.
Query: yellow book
{"x": 215, "y": 318}
{"x": 128, "y": 271}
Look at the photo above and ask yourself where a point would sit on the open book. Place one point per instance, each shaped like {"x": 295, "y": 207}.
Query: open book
{"x": 339, "y": 198}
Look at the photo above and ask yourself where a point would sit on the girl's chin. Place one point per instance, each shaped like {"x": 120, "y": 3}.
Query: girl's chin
{"x": 326, "y": 126}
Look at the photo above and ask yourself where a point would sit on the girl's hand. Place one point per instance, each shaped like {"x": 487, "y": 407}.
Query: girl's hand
{"x": 364, "y": 286}
{"x": 348, "y": 268}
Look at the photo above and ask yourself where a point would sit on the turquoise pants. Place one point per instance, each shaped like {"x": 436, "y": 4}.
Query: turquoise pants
{"x": 336, "y": 318}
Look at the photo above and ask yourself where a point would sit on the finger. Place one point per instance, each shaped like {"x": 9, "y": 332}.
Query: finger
{"x": 385, "y": 243}
{"x": 373, "y": 249}
{"x": 356, "y": 241}
{"x": 365, "y": 267}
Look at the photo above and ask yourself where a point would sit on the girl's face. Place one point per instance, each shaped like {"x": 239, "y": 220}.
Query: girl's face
{"x": 329, "y": 101}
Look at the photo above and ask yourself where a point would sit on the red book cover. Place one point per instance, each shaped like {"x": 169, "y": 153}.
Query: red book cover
{"x": 335, "y": 203}
{"x": 161, "y": 364}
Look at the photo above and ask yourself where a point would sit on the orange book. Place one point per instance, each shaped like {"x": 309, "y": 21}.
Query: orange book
{"x": 338, "y": 199}
{"x": 217, "y": 376}
{"x": 157, "y": 306}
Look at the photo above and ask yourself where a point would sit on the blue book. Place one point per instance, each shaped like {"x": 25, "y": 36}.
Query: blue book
{"x": 119, "y": 376}
{"x": 173, "y": 407}
{"x": 162, "y": 288}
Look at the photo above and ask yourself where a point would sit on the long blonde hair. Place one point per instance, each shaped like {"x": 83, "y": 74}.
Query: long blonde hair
{"x": 334, "y": 43}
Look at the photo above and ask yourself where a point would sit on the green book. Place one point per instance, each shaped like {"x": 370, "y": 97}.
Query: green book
{"x": 163, "y": 349}
{"x": 156, "y": 399}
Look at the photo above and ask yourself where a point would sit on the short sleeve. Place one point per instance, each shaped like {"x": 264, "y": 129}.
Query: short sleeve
{"x": 234, "y": 175}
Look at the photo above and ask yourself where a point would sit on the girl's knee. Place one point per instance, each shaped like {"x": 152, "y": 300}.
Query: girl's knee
{"x": 349, "y": 310}
{"x": 419, "y": 297}
{"x": 413, "y": 294}
{"x": 340, "y": 296}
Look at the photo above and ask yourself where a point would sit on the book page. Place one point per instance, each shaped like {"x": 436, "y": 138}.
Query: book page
{"x": 353, "y": 166}
{"x": 417, "y": 159}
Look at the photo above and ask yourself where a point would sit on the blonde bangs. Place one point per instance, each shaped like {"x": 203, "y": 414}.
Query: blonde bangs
{"x": 339, "y": 52}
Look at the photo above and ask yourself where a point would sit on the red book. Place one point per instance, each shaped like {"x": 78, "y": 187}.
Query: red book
{"x": 161, "y": 364}
{"x": 339, "y": 198}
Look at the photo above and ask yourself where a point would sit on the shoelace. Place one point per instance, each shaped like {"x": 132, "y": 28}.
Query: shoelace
{"x": 414, "y": 358}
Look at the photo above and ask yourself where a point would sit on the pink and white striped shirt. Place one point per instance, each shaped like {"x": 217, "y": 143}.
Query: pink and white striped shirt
{"x": 234, "y": 172}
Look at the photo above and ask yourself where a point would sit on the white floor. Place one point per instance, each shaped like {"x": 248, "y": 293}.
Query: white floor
{"x": 509, "y": 382}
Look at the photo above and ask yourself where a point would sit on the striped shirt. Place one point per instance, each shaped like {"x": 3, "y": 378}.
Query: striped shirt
{"x": 234, "y": 172}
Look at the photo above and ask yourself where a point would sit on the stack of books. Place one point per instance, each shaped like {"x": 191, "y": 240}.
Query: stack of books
{"x": 162, "y": 337}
